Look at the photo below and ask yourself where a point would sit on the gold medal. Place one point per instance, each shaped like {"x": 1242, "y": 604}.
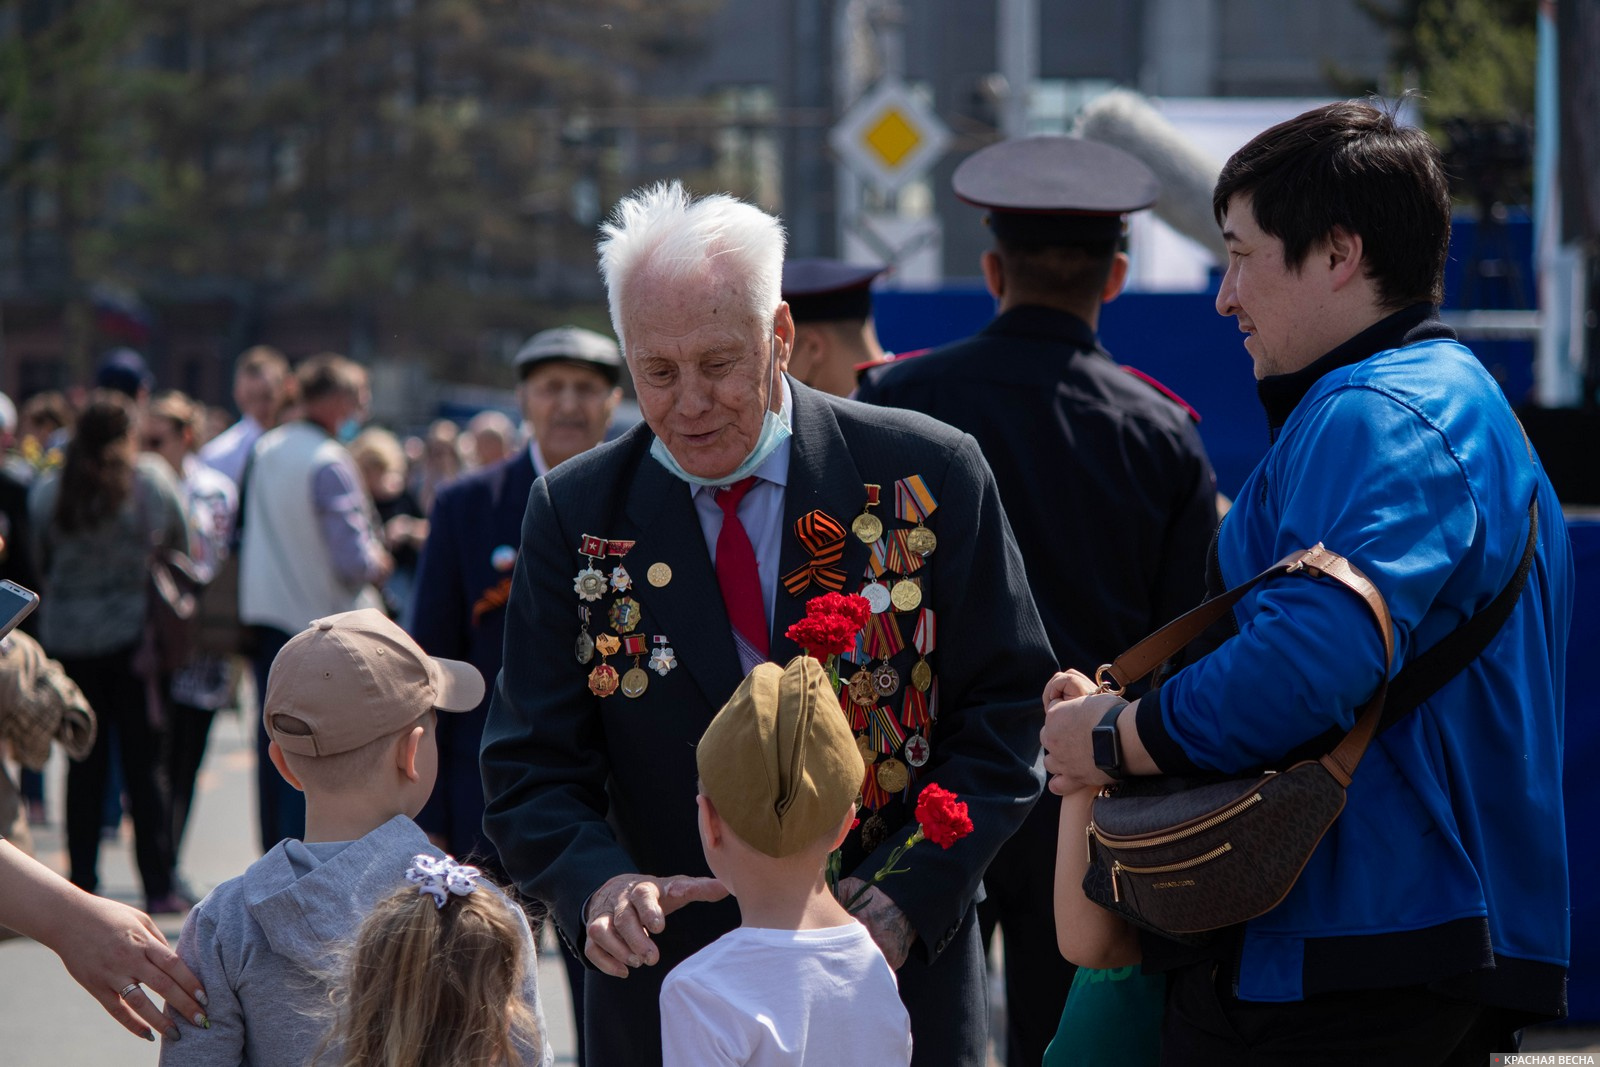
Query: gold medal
{"x": 864, "y": 746}
{"x": 867, "y": 527}
{"x": 659, "y": 574}
{"x": 635, "y": 682}
{"x": 603, "y": 680}
{"x": 922, "y": 541}
{"x": 906, "y": 595}
{"x": 921, "y": 675}
{"x": 862, "y": 691}
{"x": 893, "y": 776}
{"x": 886, "y": 680}
{"x": 607, "y": 644}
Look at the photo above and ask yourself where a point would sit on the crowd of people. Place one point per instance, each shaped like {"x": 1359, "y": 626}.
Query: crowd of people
{"x": 587, "y": 673}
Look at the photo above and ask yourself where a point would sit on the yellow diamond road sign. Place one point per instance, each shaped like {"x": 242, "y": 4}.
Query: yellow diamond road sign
{"x": 889, "y": 137}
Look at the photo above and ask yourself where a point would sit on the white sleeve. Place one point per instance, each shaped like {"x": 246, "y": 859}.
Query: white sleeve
{"x": 694, "y": 1032}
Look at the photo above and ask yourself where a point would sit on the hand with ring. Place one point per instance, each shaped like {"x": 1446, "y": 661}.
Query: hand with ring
{"x": 627, "y": 909}
{"x": 110, "y": 949}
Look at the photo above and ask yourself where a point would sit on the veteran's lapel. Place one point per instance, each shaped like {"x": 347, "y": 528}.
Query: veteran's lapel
{"x": 688, "y": 608}
{"x": 822, "y": 477}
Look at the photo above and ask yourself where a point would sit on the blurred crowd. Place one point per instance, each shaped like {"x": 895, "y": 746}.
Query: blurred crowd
{"x": 93, "y": 480}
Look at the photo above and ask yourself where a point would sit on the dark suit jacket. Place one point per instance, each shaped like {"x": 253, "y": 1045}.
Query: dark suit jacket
{"x": 582, "y": 789}
{"x": 472, "y": 517}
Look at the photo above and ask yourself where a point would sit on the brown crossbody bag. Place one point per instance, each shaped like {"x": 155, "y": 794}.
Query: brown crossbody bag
{"x": 1183, "y": 859}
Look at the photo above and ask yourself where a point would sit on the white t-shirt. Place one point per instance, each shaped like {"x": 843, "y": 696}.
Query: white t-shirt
{"x": 784, "y": 997}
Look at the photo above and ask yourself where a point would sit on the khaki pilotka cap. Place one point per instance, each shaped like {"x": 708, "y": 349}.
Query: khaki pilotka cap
{"x": 779, "y": 760}
{"x": 351, "y": 678}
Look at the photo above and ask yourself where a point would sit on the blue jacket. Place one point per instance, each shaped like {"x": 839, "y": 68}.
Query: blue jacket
{"x": 1448, "y": 866}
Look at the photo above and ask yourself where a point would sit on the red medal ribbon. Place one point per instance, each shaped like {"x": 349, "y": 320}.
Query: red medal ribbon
{"x": 923, "y": 639}
{"x": 883, "y": 636}
{"x": 618, "y": 548}
{"x": 912, "y": 500}
{"x": 633, "y": 645}
{"x": 823, "y": 537}
{"x": 592, "y": 546}
{"x": 872, "y": 795}
{"x": 886, "y": 735}
{"x": 916, "y": 710}
{"x": 900, "y": 558}
{"x": 872, "y": 495}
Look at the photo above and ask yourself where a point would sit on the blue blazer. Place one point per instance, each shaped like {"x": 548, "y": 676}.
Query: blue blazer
{"x": 474, "y": 529}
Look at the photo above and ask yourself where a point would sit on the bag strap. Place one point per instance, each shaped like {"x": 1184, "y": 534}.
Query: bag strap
{"x": 1426, "y": 675}
{"x": 1314, "y": 562}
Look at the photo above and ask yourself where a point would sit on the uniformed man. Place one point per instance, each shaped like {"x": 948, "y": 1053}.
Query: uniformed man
{"x": 1103, "y": 477}
{"x": 568, "y": 390}
{"x": 831, "y": 302}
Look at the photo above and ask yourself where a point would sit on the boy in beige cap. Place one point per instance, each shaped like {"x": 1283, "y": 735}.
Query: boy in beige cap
{"x": 350, "y": 707}
{"x": 800, "y": 981}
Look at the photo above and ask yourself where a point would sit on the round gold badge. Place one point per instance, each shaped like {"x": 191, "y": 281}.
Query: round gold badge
{"x": 635, "y": 682}
{"x": 922, "y": 541}
{"x": 921, "y": 675}
{"x": 867, "y": 527}
{"x": 893, "y": 776}
{"x": 659, "y": 574}
{"x": 906, "y": 595}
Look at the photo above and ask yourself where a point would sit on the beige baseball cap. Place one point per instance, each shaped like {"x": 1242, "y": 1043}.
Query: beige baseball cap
{"x": 779, "y": 760}
{"x": 352, "y": 678}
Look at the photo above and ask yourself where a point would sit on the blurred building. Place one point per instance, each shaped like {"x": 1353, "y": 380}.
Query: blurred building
{"x": 419, "y": 182}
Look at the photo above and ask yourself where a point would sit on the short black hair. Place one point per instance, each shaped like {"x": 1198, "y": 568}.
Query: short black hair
{"x": 1077, "y": 270}
{"x": 1350, "y": 165}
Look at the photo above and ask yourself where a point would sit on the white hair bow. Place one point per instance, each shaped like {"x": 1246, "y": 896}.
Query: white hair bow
{"x": 439, "y": 878}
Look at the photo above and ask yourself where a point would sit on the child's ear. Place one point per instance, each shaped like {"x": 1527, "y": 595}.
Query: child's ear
{"x": 276, "y": 755}
{"x": 710, "y": 822}
{"x": 406, "y": 753}
{"x": 845, "y": 828}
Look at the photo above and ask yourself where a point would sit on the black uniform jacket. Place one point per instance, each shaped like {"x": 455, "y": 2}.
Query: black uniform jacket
{"x": 582, "y": 788}
{"x": 1104, "y": 479}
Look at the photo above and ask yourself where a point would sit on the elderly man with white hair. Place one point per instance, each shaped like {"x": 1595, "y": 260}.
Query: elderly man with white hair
{"x": 657, "y": 570}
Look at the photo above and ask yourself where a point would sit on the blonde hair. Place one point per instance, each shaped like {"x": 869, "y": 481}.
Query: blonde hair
{"x": 434, "y": 987}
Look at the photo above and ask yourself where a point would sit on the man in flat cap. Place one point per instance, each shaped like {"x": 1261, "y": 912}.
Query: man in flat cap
{"x": 1103, "y": 477}
{"x": 658, "y": 569}
{"x": 568, "y": 389}
{"x": 831, "y": 303}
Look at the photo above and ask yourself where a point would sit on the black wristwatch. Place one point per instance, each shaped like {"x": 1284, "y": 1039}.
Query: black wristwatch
{"x": 1107, "y": 745}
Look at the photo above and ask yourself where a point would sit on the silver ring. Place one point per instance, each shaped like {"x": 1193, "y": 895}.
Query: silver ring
{"x": 129, "y": 988}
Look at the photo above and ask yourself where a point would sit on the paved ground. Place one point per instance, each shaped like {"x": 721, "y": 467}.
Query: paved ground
{"x": 47, "y": 1020}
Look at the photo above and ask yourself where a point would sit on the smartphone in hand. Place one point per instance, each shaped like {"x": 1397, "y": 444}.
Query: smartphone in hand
{"x": 16, "y": 604}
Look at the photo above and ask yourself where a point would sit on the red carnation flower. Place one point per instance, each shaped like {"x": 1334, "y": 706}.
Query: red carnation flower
{"x": 943, "y": 818}
{"x": 831, "y": 624}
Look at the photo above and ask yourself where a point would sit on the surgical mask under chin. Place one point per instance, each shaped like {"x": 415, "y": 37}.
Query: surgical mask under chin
{"x": 774, "y": 432}
{"x": 348, "y": 429}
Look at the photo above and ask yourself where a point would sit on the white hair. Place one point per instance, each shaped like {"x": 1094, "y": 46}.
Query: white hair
{"x": 664, "y": 232}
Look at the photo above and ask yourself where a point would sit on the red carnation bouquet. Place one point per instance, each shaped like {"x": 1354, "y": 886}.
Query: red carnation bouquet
{"x": 829, "y": 629}
{"x": 941, "y": 818}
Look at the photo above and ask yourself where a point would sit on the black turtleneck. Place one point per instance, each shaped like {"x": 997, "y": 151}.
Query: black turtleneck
{"x": 1281, "y": 393}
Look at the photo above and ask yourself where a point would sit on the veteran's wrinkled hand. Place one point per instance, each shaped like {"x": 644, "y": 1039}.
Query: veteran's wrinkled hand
{"x": 627, "y": 909}
{"x": 1065, "y": 685}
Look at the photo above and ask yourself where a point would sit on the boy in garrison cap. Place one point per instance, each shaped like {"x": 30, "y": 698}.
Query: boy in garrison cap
{"x": 351, "y": 708}
{"x": 800, "y": 980}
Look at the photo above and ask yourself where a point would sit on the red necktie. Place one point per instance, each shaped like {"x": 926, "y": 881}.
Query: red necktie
{"x": 736, "y": 570}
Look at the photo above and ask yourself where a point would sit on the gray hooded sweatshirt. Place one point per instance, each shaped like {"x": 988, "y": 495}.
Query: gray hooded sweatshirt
{"x": 266, "y": 945}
